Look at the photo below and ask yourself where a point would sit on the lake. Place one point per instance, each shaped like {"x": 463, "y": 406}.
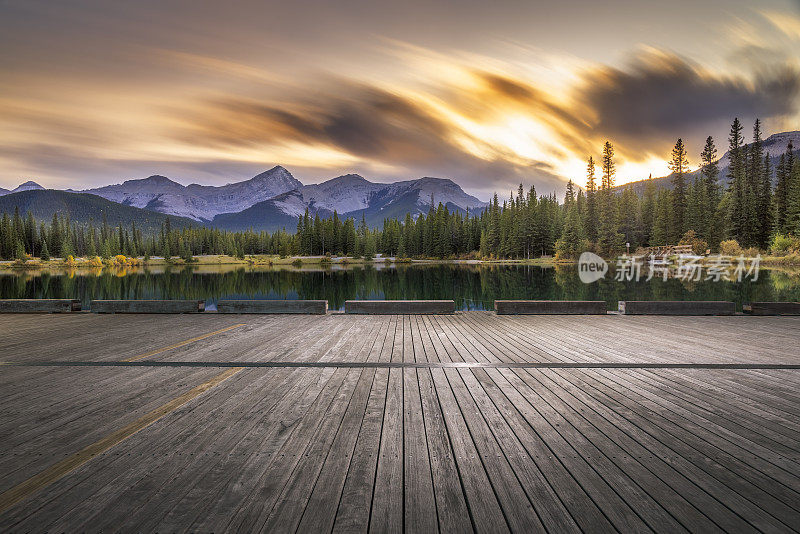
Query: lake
{"x": 473, "y": 287}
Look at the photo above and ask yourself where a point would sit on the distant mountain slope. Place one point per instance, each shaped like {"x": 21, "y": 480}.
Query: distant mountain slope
{"x": 274, "y": 199}
{"x": 200, "y": 202}
{"x": 774, "y": 145}
{"x": 83, "y": 207}
{"x": 351, "y": 196}
{"x": 27, "y": 186}
{"x": 263, "y": 216}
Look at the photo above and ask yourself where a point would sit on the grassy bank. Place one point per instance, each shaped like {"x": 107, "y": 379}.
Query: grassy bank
{"x": 788, "y": 261}
{"x": 251, "y": 260}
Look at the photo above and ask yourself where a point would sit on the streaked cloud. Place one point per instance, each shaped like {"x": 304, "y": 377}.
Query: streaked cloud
{"x": 488, "y": 97}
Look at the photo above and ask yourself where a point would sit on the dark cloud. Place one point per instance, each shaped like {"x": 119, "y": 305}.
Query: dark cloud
{"x": 662, "y": 97}
{"x": 641, "y": 109}
{"x": 373, "y": 124}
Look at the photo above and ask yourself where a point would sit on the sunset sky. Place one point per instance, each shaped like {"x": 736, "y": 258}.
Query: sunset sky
{"x": 489, "y": 94}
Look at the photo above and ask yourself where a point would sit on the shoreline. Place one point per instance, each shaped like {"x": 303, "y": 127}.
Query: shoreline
{"x": 260, "y": 261}
{"x": 58, "y": 264}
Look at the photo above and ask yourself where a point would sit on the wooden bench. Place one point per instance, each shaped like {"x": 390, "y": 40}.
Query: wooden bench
{"x": 676, "y": 307}
{"x": 147, "y": 306}
{"x": 772, "y": 308}
{"x": 314, "y": 307}
{"x": 550, "y": 307}
{"x": 39, "y": 305}
{"x": 391, "y": 307}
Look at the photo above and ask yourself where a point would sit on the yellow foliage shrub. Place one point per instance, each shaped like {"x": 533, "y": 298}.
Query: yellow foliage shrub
{"x": 730, "y": 247}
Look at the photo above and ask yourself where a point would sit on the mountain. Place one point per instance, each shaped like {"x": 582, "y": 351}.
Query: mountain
{"x": 27, "y": 186}
{"x": 83, "y": 208}
{"x": 269, "y": 201}
{"x": 774, "y": 145}
{"x": 199, "y": 202}
{"x": 351, "y": 195}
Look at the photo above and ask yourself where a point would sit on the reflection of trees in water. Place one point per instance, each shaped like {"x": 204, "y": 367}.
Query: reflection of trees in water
{"x": 472, "y": 287}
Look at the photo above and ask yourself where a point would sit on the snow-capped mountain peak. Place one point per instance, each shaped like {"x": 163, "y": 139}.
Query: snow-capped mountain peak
{"x": 200, "y": 202}
{"x": 27, "y": 186}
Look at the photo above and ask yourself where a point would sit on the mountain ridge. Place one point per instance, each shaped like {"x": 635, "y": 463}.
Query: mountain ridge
{"x": 774, "y": 146}
{"x": 195, "y": 201}
{"x": 85, "y": 207}
{"x": 274, "y": 198}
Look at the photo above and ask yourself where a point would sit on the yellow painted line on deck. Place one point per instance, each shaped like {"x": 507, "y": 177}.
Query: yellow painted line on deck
{"x": 182, "y": 343}
{"x": 53, "y": 473}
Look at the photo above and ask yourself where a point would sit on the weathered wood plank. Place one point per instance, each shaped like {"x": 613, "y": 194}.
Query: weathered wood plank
{"x": 146, "y": 306}
{"x": 39, "y": 305}
{"x": 321, "y": 449}
{"x": 550, "y": 307}
{"x": 313, "y": 307}
{"x": 377, "y": 307}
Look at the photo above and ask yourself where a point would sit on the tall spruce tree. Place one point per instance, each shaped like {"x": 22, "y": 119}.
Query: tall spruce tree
{"x": 592, "y": 221}
{"x": 793, "y": 200}
{"x": 648, "y": 211}
{"x": 783, "y": 174}
{"x": 709, "y": 171}
{"x": 765, "y": 212}
{"x": 609, "y": 237}
{"x": 755, "y": 218}
{"x": 679, "y": 165}
{"x": 737, "y": 215}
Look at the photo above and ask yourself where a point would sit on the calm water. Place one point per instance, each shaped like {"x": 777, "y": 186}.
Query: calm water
{"x": 471, "y": 286}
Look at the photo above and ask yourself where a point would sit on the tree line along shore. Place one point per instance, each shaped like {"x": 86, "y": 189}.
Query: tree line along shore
{"x": 757, "y": 213}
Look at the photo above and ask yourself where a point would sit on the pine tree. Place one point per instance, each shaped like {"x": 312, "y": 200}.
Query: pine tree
{"x": 91, "y": 249}
{"x": 710, "y": 173}
{"x": 629, "y": 217}
{"x": 572, "y": 238}
{"x": 783, "y": 175}
{"x": 66, "y": 244}
{"x": 569, "y": 196}
{"x": 361, "y": 236}
{"x": 609, "y": 238}
{"x": 6, "y": 238}
{"x": 29, "y": 230}
{"x": 765, "y": 212}
{"x": 45, "y": 255}
{"x": 696, "y": 203}
{"x": 19, "y": 253}
{"x": 648, "y": 211}
{"x": 737, "y": 216}
{"x": 55, "y": 238}
{"x": 609, "y": 167}
{"x": 754, "y": 196}
{"x": 592, "y": 222}
{"x": 369, "y": 246}
{"x": 662, "y": 225}
{"x": 781, "y": 195}
{"x": 679, "y": 165}
{"x": 793, "y": 200}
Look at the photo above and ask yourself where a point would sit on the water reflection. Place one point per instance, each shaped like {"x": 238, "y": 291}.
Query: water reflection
{"x": 471, "y": 286}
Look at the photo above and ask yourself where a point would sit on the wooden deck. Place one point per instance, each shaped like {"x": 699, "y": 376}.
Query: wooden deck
{"x": 390, "y": 423}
